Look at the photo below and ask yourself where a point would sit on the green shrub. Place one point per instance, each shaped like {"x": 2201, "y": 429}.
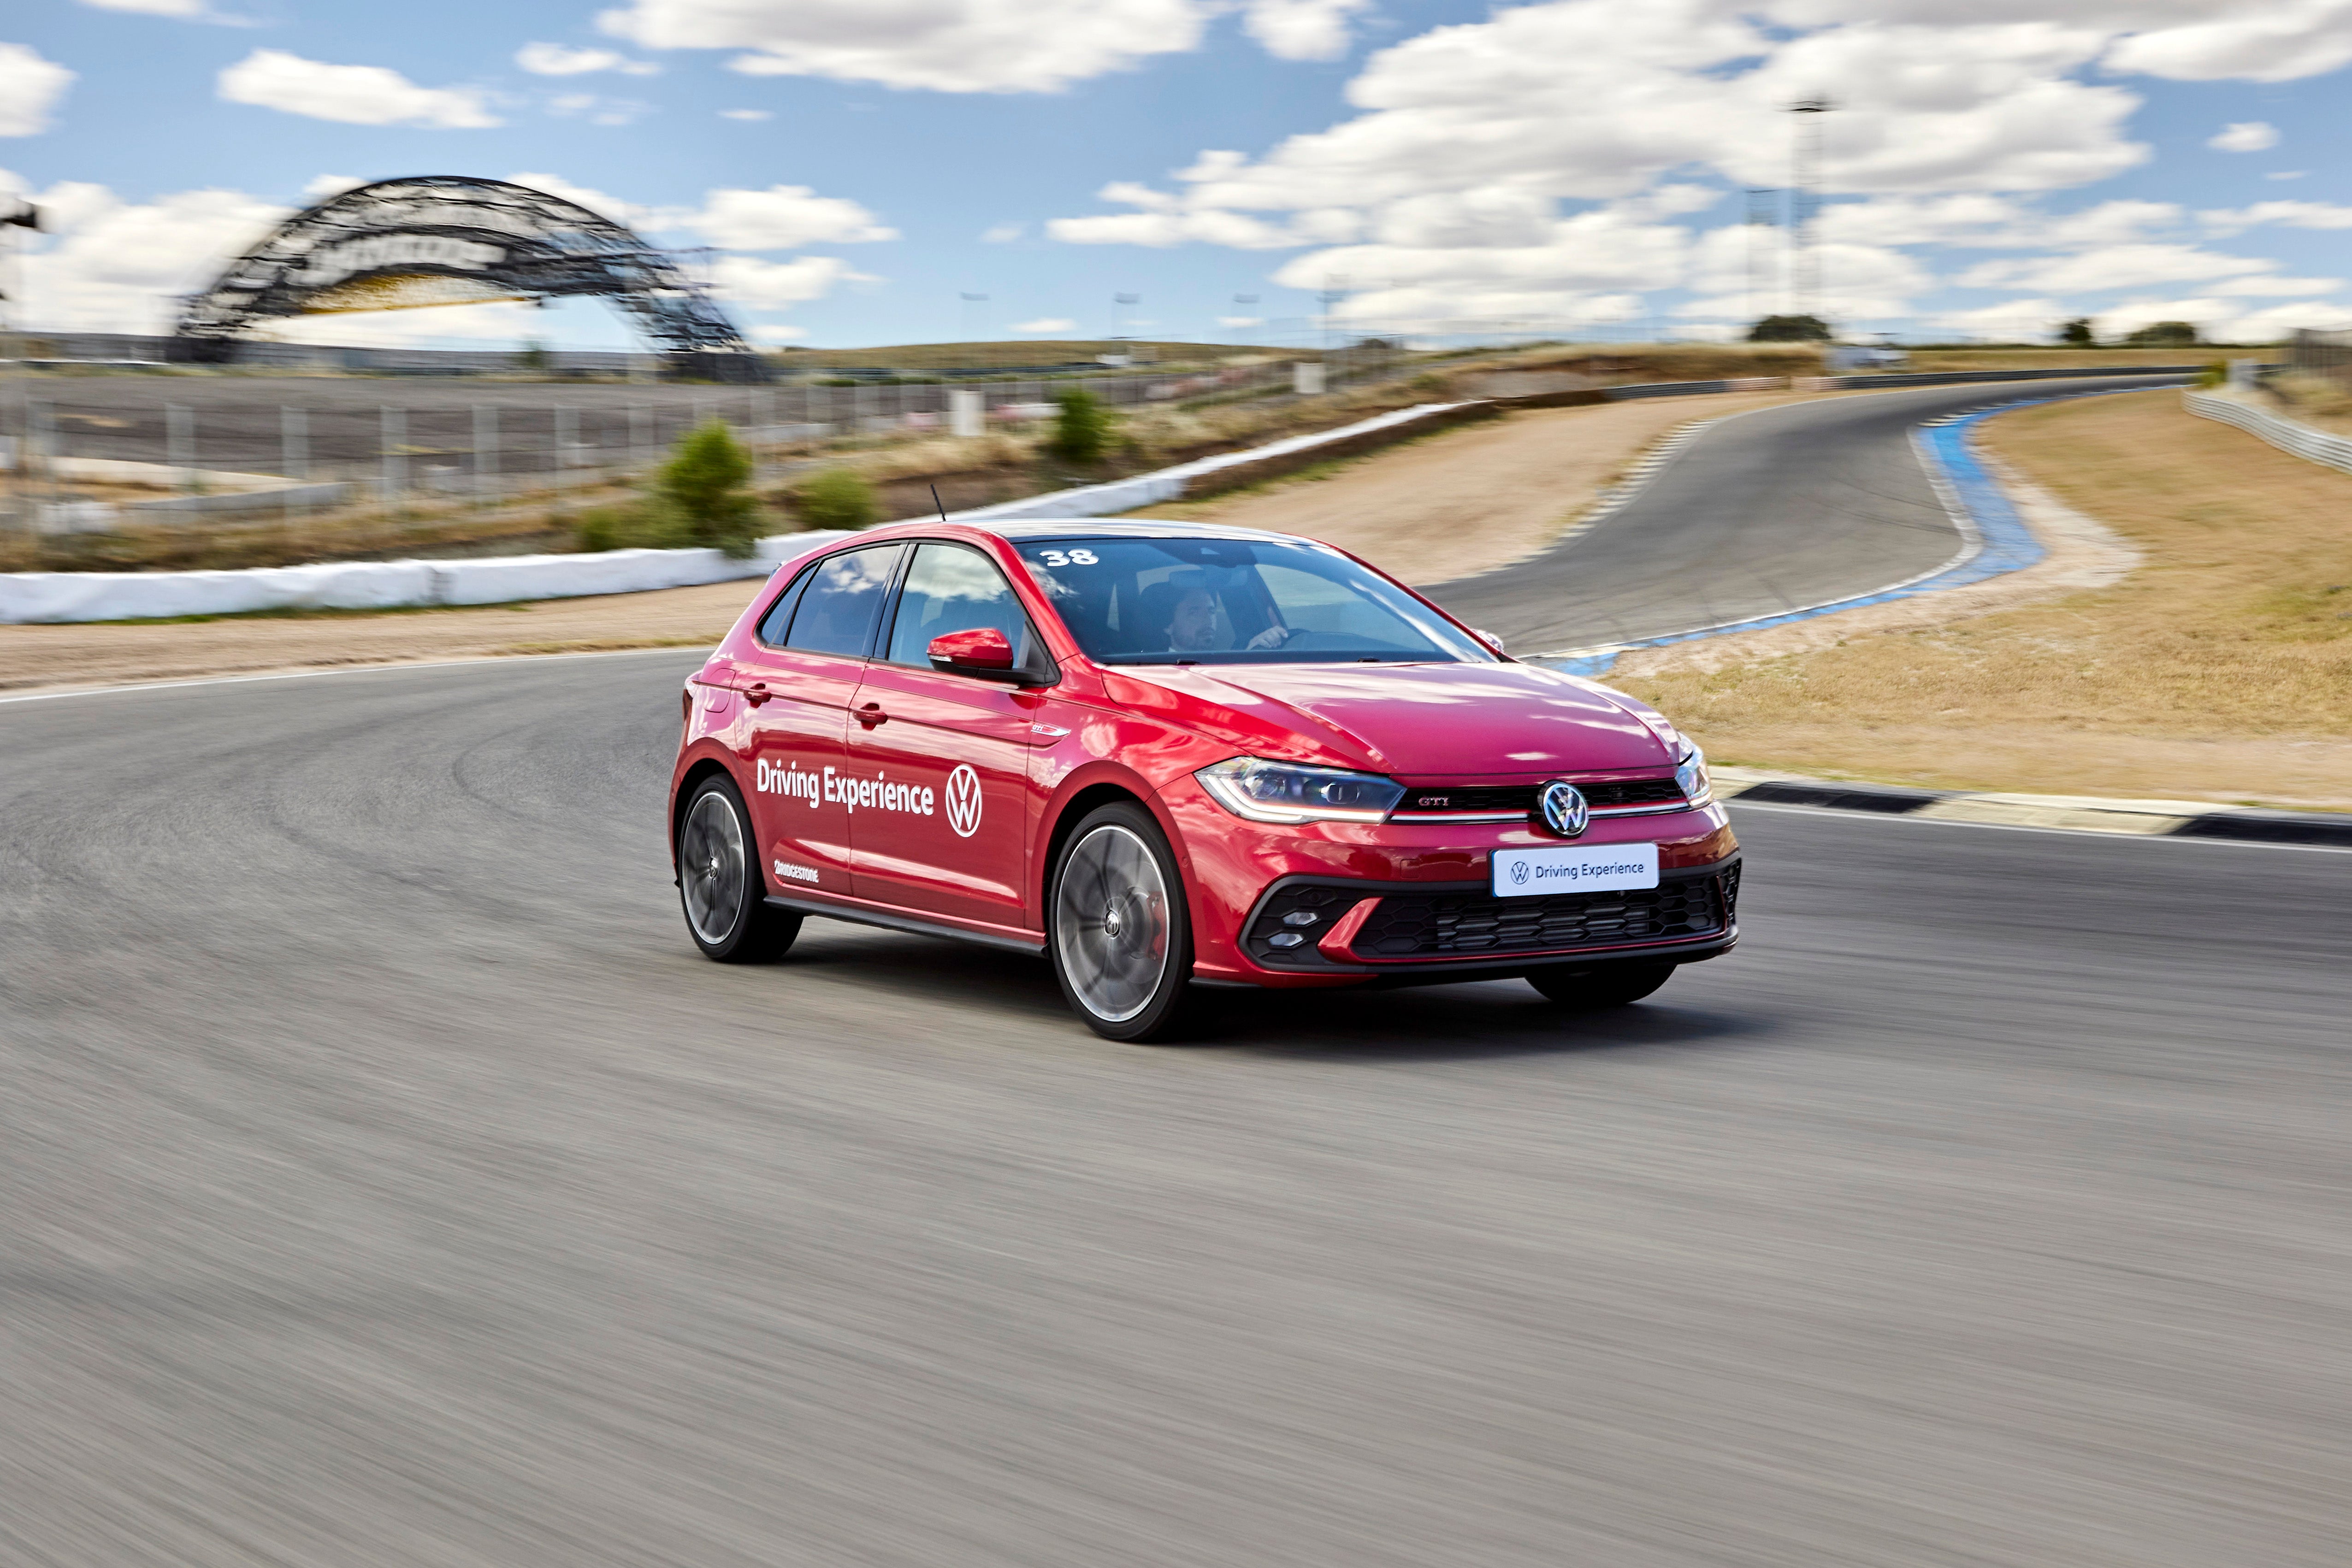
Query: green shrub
{"x": 705, "y": 487}
{"x": 1789, "y": 330}
{"x": 836, "y": 498}
{"x": 1082, "y": 431}
{"x": 634, "y": 525}
{"x": 2214, "y": 374}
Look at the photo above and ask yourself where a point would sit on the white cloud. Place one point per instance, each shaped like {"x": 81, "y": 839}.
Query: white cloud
{"x": 1003, "y": 233}
{"x": 353, "y": 95}
{"x": 111, "y": 265}
{"x": 1302, "y": 29}
{"x": 2286, "y": 173}
{"x": 560, "y": 60}
{"x": 2222, "y": 320}
{"x": 321, "y": 186}
{"x": 587, "y": 196}
{"x": 2287, "y": 215}
{"x": 30, "y": 88}
{"x": 1241, "y": 320}
{"x": 760, "y": 285}
{"x": 2245, "y": 136}
{"x": 2278, "y": 41}
{"x": 597, "y": 109}
{"x": 777, "y": 332}
{"x": 782, "y": 217}
{"x": 746, "y": 114}
{"x": 946, "y": 46}
{"x": 1045, "y": 324}
{"x": 2112, "y": 267}
{"x": 190, "y": 8}
{"x": 2280, "y": 286}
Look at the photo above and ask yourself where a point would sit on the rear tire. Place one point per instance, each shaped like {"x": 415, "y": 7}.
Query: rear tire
{"x": 1595, "y": 990}
{"x": 1118, "y": 930}
{"x": 719, "y": 881}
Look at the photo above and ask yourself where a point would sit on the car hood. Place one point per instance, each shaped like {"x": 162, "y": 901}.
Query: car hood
{"x": 1418, "y": 720}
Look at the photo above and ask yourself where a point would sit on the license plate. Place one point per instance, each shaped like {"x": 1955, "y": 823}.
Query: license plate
{"x": 1597, "y": 868}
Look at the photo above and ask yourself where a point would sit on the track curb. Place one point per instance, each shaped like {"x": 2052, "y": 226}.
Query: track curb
{"x": 2077, "y": 813}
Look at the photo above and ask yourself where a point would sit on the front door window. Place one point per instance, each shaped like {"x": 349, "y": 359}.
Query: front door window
{"x": 945, "y": 753}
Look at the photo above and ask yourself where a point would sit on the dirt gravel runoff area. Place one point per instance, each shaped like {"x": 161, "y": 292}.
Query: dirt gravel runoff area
{"x": 2217, "y": 666}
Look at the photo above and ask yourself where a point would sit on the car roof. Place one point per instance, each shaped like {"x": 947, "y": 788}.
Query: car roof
{"x": 1097, "y": 527}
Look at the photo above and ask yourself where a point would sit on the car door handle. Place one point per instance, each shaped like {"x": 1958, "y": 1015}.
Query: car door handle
{"x": 757, "y": 692}
{"x": 871, "y": 715}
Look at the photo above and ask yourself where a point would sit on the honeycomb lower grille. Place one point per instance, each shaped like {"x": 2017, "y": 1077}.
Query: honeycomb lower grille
{"x": 1427, "y": 925}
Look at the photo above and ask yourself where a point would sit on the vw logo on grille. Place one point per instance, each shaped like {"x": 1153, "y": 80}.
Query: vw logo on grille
{"x": 1564, "y": 809}
{"x": 963, "y": 800}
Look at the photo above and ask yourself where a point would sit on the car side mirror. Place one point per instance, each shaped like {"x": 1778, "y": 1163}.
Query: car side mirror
{"x": 982, "y": 651}
{"x": 1490, "y": 640}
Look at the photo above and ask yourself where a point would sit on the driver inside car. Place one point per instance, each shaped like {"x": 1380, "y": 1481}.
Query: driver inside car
{"x": 1191, "y": 622}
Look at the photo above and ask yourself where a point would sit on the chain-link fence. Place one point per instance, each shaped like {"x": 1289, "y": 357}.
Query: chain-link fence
{"x": 86, "y": 454}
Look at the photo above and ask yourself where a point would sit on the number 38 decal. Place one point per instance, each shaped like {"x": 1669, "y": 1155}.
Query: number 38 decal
{"x": 1067, "y": 558}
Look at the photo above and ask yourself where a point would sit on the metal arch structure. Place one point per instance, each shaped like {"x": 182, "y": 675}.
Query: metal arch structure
{"x": 446, "y": 239}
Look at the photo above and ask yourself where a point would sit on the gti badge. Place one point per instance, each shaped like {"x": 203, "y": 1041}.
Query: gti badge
{"x": 1564, "y": 810}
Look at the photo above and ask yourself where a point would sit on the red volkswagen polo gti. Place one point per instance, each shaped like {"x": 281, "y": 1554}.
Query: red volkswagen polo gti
{"x": 1170, "y": 757}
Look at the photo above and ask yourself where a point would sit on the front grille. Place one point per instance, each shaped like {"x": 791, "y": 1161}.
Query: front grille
{"x": 1521, "y": 799}
{"x": 1429, "y": 926}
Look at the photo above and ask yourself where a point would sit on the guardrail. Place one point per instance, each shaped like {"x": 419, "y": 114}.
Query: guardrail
{"x": 2289, "y": 436}
{"x": 1951, "y": 377}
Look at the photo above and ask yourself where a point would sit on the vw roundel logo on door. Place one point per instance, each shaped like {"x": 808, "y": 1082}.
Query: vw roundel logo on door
{"x": 963, "y": 800}
{"x": 1565, "y": 811}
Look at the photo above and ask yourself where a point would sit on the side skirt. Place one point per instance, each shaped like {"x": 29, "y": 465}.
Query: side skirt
{"x": 915, "y": 924}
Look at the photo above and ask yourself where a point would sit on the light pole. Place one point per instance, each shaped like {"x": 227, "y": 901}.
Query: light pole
{"x": 1119, "y": 302}
{"x": 1805, "y": 204}
{"x": 1246, "y": 299}
{"x": 969, "y": 301}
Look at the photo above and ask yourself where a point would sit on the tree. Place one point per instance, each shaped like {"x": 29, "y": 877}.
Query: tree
{"x": 1789, "y": 330}
{"x": 535, "y": 358}
{"x": 836, "y": 498}
{"x": 2164, "y": 335}
{"x": 705, "y": 484}
{"x": 1082, "y": 430}
{"x": 2076, "y": 334}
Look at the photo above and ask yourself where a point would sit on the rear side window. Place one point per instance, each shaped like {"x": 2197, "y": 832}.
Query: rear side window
{"x": 952, "y": 588}
{"x": 838, "y": 608}
{"x": 779, "y": 617}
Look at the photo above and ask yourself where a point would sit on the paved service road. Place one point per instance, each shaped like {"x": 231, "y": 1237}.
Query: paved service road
{"x": 388, "y": 1182}
{"x": 1769, "y": 511}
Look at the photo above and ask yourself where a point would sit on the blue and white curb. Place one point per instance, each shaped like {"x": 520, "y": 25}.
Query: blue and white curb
{"x": 1994, "y": 537}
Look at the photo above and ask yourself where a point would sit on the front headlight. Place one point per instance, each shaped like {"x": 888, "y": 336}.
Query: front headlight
{"x": 1690, "y": 776}
{"x": 1266, "y": 792}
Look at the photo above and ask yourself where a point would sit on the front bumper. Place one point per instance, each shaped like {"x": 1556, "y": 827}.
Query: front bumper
{"x": 1419, "y": 932}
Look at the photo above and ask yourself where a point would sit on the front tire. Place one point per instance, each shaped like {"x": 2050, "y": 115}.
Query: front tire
{"x": 1117, "y": 927}
{"x": 1595, "y": 990}
{"x": 719, "y": 880}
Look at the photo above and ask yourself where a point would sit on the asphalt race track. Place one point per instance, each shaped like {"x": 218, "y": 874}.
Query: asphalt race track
{"x": 1779, "y": 509}
{"x": 387, "y": 1181}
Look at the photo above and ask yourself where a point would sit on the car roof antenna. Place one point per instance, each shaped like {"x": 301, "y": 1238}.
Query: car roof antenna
{"x": 936, "y": 502}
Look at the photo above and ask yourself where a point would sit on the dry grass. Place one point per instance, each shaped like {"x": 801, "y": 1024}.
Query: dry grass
{"x": 2221, "y": 669}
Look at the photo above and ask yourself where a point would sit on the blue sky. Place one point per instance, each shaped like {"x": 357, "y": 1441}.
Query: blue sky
{"x": 1454, "y": 167}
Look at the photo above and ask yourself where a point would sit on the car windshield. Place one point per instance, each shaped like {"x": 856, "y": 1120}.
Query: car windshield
{"x": 1144, "y": 600}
